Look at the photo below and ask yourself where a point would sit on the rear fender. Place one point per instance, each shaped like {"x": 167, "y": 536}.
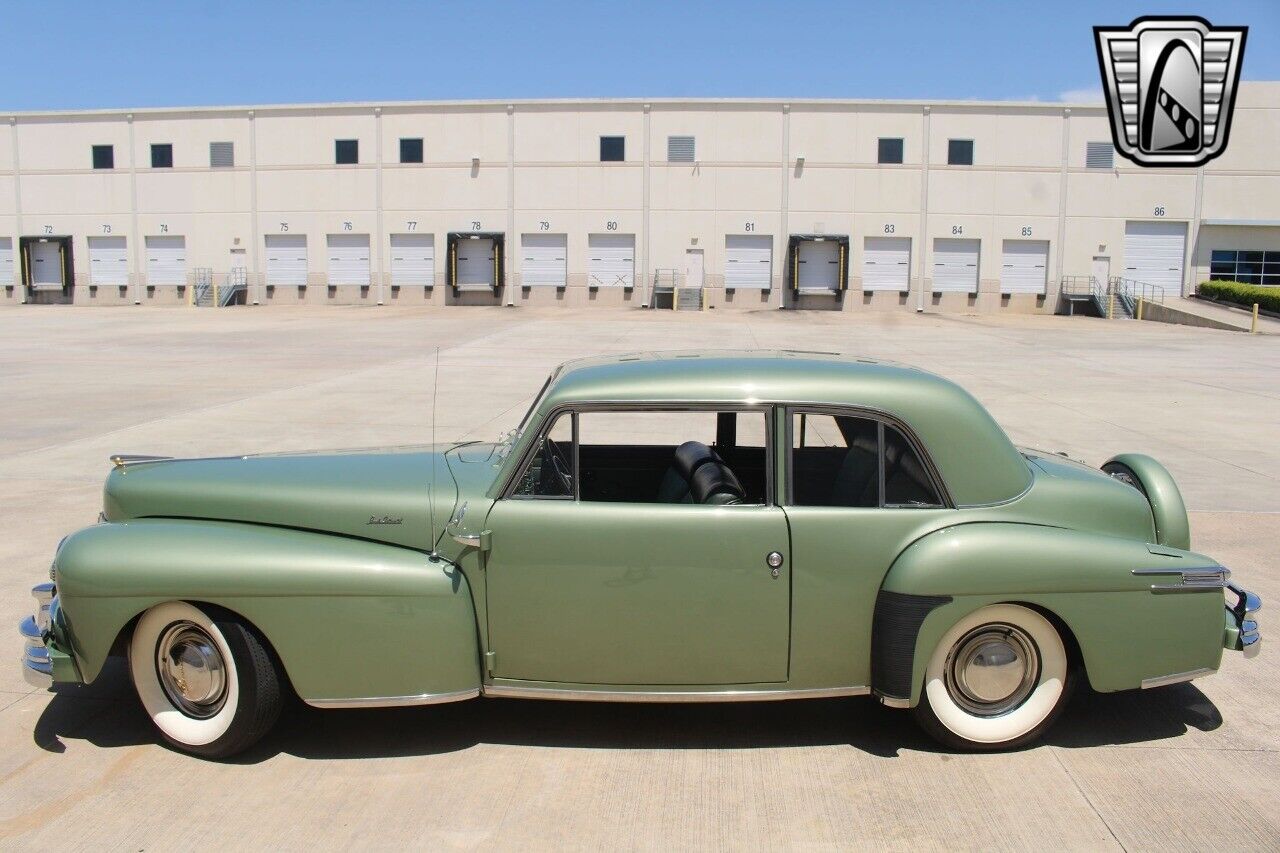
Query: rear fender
{"x": 349, "y": 619}
{"x": 1124, "y": 630}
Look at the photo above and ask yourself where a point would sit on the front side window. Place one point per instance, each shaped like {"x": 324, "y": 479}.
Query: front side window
{"x": 713, "y": 458}
{"x": 849, "y": 461}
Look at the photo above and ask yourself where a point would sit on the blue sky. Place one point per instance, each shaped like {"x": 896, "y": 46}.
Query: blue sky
{"x": 71, "y": 56}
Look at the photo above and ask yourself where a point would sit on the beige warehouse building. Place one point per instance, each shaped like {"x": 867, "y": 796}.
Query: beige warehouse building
{"x": 836, "y": 205}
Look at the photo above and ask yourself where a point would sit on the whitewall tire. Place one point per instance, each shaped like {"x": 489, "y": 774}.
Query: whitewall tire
{"x": 206, "y": 678}
{"x": 996, "y": 680}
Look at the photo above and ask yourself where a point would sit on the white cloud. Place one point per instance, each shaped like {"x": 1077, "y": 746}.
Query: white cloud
{"x": 1081, "y": 96}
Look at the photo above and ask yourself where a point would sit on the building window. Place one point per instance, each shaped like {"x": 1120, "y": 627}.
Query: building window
{"x": 613, "y": 149}
{"x": 1246, "y": 267}
{"x": 162, "y": 156}
{"x": 104, "y": 157}
{"x": 222, "y": 155}
{"x": 410, "y": 150}
{"x": 1099, "y": 155}
{"x": 890, "y": 151}
{"x": 680, "y": 149}
{"x": 959, "y": 152}
{"x": 346, "y": 151}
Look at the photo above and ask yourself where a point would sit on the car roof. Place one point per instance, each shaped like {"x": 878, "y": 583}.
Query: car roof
{"x": 974, "y": 456}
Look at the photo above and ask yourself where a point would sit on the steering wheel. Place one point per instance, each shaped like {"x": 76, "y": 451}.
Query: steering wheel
{"x": 560, "y": 466}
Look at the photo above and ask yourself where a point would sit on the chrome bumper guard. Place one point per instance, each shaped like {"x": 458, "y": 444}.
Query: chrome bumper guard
{"x": 1242, "y": 613}
{"x": 37, "y": 667}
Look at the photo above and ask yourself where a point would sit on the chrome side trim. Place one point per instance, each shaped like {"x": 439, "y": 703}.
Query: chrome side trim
{"x": 120, "y": 460}
{"x": 396, "y": 701}
{"x": 894, "y": 702}
{"x": 1188, "y": 580}
{"x": 1176, "y": 678}
{"x": 506, "y": 691}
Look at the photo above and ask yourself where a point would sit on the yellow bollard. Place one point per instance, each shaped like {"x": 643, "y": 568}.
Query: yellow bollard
{"x": 191, "y": 296}
{"x": 1253, "y": 327}
{"x": 1139, "y": 307}
{"x": 1111, "y": 305}
{"x": 215, "y": 295}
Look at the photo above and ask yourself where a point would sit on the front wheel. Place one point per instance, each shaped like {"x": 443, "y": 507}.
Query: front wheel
{"x": 996, "y": 680}
{"x": 207, "y": 680}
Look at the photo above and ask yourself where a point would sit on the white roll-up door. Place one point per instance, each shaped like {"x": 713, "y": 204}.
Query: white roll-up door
{"x": 166, "y": 260}
{"x": 475, "y": 263}
{"x": 6, "y": 261}
{"x": 1153, "y": 254}
{"x": 955, "y": 265}
{"x": 611, "y": 260}
{"x": 886, "y": 263}
{"x": 46, "y": 265}
{"x": 413, "y": 260}
{"x": 348, "y": 259}
{"x": 287, "y": 259}
{"x": 543, "y": 260}
{"x": 748, "y": 261}
{"x": 1024, "y": 266}
{"x": 819, "y": 266}
{"x": 108, "y": 261}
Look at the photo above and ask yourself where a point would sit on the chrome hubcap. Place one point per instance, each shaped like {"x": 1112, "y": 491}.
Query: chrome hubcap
{"x": 992, "y": 670}
{"x": 191, "y": 670}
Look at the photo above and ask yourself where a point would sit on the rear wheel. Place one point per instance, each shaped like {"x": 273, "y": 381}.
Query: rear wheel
{"x": 996, "y": 680}
{"x": 206, "y": 679}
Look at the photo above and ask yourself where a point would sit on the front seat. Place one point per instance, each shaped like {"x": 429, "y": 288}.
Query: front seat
{"x": 714, "y": 483}
{"x": 688, "y": 458}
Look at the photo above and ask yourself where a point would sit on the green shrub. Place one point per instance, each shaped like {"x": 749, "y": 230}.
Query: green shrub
{"x": 1267, "y": 297}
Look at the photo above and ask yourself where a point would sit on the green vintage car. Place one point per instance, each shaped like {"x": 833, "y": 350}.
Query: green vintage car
{"x": 682, "y": 527}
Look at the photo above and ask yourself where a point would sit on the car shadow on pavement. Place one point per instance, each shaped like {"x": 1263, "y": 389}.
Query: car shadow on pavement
{"x": 107, "y": 714}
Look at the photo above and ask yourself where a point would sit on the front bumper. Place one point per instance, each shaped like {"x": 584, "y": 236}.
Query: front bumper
{"x": 1241, "y": 631}
{"x": 37, "y": 665}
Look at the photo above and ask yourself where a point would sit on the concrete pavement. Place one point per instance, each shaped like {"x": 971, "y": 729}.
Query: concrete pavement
{"x": 1183, "y": 767}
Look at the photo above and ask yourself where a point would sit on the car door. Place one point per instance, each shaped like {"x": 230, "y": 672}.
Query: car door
{"x": 602, "y": 570}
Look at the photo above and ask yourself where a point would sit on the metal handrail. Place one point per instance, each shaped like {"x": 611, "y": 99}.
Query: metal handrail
{"x": 656, "y": 286}
{"x": 1135, "y": 290}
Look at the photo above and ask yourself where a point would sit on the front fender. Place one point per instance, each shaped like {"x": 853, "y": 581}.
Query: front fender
{"x": 1125, "y": 632}
{"x": 349, "y": 619}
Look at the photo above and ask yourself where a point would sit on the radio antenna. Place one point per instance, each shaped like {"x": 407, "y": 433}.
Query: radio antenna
{"x": 435, "y": 457}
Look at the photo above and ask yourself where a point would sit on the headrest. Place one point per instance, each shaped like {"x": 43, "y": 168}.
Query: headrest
{"x": 714, "y": 483}
{"x": 691, "y": 455}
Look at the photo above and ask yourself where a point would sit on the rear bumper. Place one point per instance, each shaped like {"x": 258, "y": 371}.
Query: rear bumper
{"x": 1241, "y": 632}
{"x": 37, "y": 665}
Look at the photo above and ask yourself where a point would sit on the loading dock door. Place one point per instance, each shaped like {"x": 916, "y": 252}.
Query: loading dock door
{"x": 46, "y": 265}
{"x": 1024, "y": 266}
{"x": 1153, "y": 254}
{"x": 748, "y": 262}
{"x": 611, "y": 260}
{"x": 413, "y": 260}
{"x": 886, "y": 263}
{"x": 475, "y": 264}
{"x": 543, "y": 260}
{"x": 286, "y": 259}
{"x": 819, "y": 266}
{"x": 955, "y": 266}
{"x": 108, "y": 261}
{"x": 348, "y": 259}
{"x": 166, "y": 261}
{"x": 6, "y": 262}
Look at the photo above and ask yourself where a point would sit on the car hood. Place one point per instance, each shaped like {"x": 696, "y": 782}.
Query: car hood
{"x": 399, "y": 496}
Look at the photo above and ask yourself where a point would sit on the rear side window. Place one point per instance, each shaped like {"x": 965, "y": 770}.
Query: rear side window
{"x": 848, "y": 461}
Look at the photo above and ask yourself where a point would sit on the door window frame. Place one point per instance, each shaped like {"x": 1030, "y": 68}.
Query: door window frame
{"x": 768, "y": 411}
{"x": 882, "y": 419}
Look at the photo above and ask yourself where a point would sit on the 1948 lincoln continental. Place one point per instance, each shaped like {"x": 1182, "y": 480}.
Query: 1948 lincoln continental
{"x": 662, "y": 527}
